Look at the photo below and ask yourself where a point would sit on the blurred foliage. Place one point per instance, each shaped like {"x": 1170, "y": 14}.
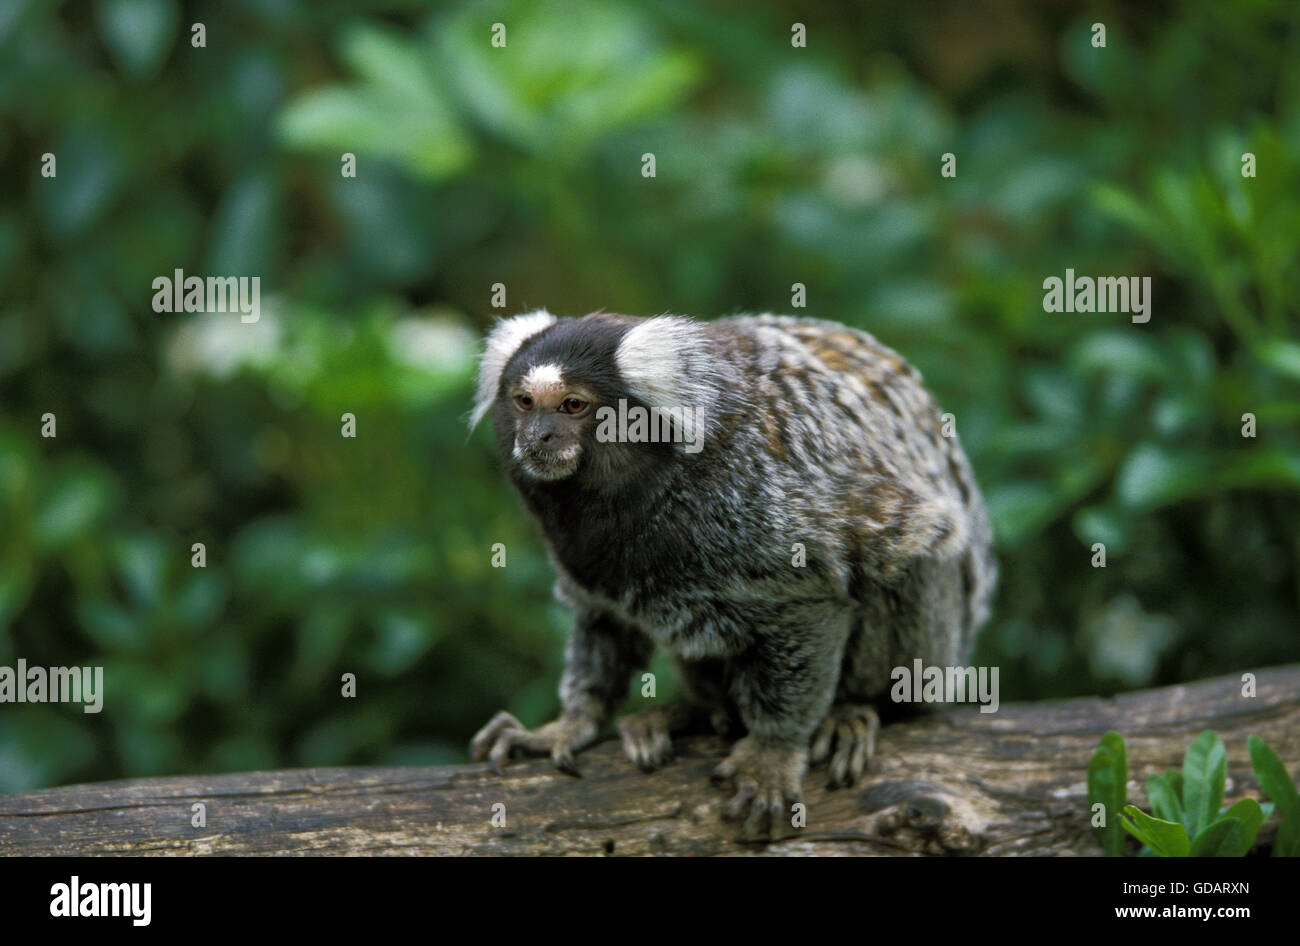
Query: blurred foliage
{"x": 521, "y": 165}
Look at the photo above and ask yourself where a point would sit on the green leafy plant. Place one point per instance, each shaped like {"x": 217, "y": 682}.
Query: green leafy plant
{"x": 1187, "y": 817}
{"x": 1107, "y": 786}
{"x": 1279, "y": 787}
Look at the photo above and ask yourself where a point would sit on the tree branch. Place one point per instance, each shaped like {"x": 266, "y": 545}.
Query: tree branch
{"x": 959, "y": 782}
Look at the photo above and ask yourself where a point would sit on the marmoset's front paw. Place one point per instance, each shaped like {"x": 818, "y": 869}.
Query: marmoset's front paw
{"x": 559, "y": 739}
{"x": 768, "y": 778}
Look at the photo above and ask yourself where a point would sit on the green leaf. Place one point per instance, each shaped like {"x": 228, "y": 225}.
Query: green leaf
{"x": 1287, "y": 843}
{"x": 243, "y": 234}
{"x": 1282, "y": 356}
{"x": 1221, "y": 839}
{"x": 1273, "y": 778}
{"x": 1107, "y": 786}
{"x": 1165, "y": 802}
{"x": 1020, "y": 509}
{"x": 1142, "y": 836}
{"x": 1130, "y": 210}
{"x": 1262, "y": 468}
{"x": 141, "y": 561}
{"x": 1175, "y": 780}
{"x": 1278, "y": 785}
{"x": 398, "y": 111}
{"x": 1120, "y": 352}
{"x": 112, "y": 628}
{"x": 555, "y": 86}
{"x": 16, "y": 583}
{"x": 1102, "y": 524}
{"x": 72, "y": 503}
{"x": 1154, "y": 475}
{"x": 334, "y": 118}
{"x": 1205, "y": 769}
{"x": 138, "y": 33}
{"x": 1165, "y": 838}
{"x": 92, "y": 169}
{"x": 1251, "y": 817}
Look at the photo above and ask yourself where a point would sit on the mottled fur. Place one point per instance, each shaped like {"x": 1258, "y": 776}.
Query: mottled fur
{"x": 816, "y": 434}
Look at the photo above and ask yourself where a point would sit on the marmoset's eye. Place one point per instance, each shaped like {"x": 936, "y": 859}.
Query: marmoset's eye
{"x": 524, "y": 402}
{"x": 573, "y": 405}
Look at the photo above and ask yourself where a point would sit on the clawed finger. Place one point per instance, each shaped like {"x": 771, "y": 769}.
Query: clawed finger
{"x": 821, "y": 747}
{"x": 741, "y": 802}
{"x": 562, "y": 756}
{"x": 646, "y": 742}
{"x": 486, "y": 738}
{"x": 766, "y": 814}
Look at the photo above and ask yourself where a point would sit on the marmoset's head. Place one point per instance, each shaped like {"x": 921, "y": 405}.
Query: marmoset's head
{"x": 555, "y": 388}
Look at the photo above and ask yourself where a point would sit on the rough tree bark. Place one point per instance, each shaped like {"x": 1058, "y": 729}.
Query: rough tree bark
{"x": 959, "y": 782}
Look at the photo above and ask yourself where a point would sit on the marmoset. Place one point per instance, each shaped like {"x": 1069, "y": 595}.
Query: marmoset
{"x": 770, "y": 500}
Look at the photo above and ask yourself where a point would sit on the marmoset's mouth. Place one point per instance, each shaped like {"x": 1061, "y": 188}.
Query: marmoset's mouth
{"x": 549, "y": 464}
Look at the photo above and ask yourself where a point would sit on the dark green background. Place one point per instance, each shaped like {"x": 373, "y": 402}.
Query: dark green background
{"x": 522, "y": 166}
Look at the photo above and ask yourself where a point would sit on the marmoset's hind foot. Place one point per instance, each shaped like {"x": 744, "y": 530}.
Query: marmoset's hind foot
{"x": 847, "y": 738}
{"x": 768, "y": 779}
{"x": 647, "y": 735}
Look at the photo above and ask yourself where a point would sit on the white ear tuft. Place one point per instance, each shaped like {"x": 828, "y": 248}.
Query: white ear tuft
{"x": 668, "y": 364}
{"x": 506, "y": 339}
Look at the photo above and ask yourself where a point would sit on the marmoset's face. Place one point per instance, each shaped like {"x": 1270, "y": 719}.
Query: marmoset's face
{"x": 551, "y": 416}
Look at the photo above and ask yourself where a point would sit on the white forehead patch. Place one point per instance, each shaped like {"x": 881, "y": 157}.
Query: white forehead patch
{"x": 506, "y": 339}
{"x": 543, "y": 377}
